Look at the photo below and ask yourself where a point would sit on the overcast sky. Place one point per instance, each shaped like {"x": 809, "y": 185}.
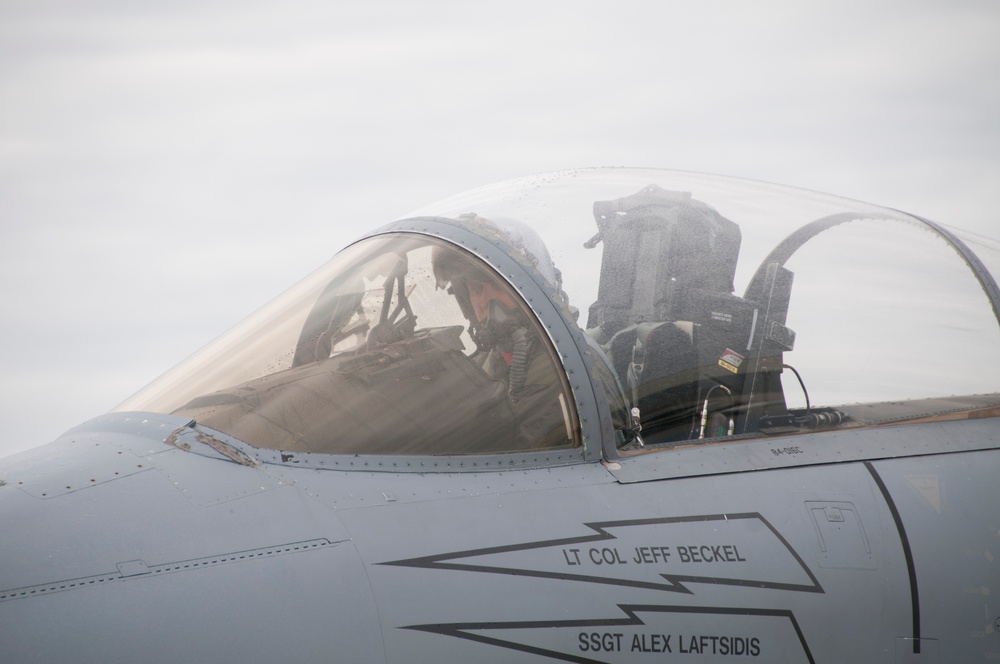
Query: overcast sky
{"x": 165, "y": 168}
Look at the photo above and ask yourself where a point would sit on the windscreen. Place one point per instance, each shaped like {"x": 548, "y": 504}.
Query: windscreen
{"x": 403, "y": 344}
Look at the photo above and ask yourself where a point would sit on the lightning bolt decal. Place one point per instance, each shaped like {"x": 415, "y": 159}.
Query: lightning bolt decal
{"x": 666, "y": 554}
{"x": 662, "y": 630}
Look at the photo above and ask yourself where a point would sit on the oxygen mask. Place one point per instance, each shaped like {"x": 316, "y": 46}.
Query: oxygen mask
{"x": 498, "y": 329}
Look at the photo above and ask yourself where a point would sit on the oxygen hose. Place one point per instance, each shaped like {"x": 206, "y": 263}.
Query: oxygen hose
{"x": 518, "y": 370}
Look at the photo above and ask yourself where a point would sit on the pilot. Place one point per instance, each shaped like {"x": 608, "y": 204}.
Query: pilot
{"x": 508, "y": 348}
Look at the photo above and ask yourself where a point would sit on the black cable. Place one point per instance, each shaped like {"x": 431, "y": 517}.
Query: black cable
{"x": 803, "y": 385}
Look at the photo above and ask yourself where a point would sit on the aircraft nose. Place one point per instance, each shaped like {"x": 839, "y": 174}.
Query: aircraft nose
{"x": 127, "y": 549}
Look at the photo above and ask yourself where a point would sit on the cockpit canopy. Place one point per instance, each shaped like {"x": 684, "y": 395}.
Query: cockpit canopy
{"x": 381, "y": 352}
{"x": 700, "y": 307}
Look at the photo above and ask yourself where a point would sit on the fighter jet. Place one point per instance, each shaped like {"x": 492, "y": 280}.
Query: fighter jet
{"x": 605, "y": 415}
